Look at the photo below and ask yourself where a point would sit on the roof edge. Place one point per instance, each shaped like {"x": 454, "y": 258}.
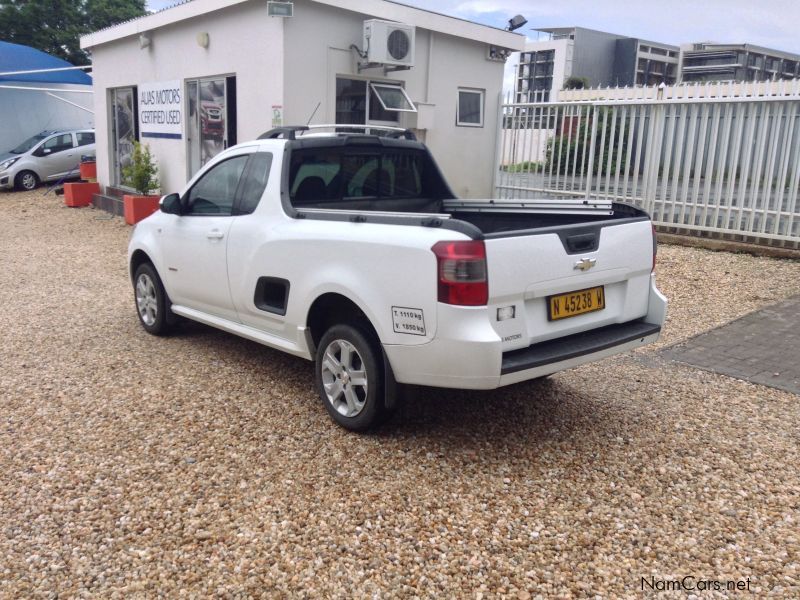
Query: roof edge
{"x": 167, "y": 16}
{"x": 383, "y": 9}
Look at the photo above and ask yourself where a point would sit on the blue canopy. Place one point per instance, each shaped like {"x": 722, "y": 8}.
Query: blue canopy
{"x": 14, "y": 57}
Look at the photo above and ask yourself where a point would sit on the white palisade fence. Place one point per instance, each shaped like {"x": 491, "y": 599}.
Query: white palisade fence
{"x": 723, "y": 159}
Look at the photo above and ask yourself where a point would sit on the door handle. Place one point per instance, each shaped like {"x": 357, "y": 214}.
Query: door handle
{"x": 215, "y": 234}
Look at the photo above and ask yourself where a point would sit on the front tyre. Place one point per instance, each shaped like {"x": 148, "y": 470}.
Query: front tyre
{"x": 349, "y": 377}
{"x": 26, "y": 180}
{"x": 152, "y": 304}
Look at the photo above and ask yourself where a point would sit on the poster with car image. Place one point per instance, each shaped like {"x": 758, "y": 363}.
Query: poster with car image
{"x": 123, "y": 131}
{"x": 207, "y": 127}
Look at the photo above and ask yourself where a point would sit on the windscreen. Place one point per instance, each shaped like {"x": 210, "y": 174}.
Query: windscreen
{"x": 29, "y": 143}
{"x": 326, "y": 176}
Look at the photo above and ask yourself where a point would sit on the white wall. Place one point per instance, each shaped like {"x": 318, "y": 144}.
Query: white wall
{"x": 26, "y": 113}
{"x": 317, "y": 41}
{"x": 244, "y": 42}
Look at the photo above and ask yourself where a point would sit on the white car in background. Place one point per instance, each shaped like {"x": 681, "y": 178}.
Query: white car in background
{"x": 47, "y": 156}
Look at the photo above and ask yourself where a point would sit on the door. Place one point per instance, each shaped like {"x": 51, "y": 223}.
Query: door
{"x": 57, "y": 157}
{"x": 211, "y": 124}
{"x": 123, "y": 130}
{"x": 195, "y": 243}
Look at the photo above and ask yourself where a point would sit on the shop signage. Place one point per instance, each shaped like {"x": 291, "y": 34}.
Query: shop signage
{"x": 161, "y": 110}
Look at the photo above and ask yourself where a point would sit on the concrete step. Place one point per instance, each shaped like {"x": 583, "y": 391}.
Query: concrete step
{"x": 111, "y": 204}
{"x": 114, "y": 192}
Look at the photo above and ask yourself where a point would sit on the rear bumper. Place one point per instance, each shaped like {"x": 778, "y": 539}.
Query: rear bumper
{"x": 577, "y": 345}
{"x": 467, "y": 353}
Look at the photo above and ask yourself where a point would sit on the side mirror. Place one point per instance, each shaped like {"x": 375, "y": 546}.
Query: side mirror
{"x": 46, "y": 151}
{"x": 170, "y": 204}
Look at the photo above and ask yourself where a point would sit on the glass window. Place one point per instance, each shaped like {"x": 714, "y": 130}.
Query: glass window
{"x": 314, "y": 177}
{"x": 362, "y": 175}
{"x": 255, "y": 181}
{"x": 29, "y": 143}
{"x": 470, "y": 108}
{"x": 320, "y": 178}
{"x": 58, "y": 143}
{"x": 351, "y": 101}
{"x": 403, "y": 175}
{"x": 392, "y": 97}
{"x": 213, "y": 194}
{"x": 85, "y": 138}
{"x": 359, "y": 101}
{"x": 377, "y": 112}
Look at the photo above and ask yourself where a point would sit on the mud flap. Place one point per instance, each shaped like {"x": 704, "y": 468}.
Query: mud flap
{"x": 390, "y": 386}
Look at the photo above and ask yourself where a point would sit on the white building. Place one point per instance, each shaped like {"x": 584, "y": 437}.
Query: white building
{"x": 206, "y": 74}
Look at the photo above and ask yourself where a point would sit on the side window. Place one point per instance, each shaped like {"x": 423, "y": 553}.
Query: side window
{"x": 469, "y": 112}
{"x": 255, "y": 181}
{"x": 57, "y": 144}
{"x": 85, "y": 138}
{"x": 213, "y": 194}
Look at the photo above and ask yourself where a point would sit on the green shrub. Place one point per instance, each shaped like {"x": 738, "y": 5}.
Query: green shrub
{"x": 142, "y": 173}
{"x": 572, "y": 147}
{"x": 576, "y": 83}
{"x": 527, "y": 166}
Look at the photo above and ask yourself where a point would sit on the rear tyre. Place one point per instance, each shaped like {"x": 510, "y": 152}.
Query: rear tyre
{"x": 152, "y": 303}
{"x": 26, "y": 180}
{"x": 349, "y": 377}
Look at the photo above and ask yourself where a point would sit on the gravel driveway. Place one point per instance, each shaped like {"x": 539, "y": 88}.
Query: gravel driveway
{"x": 204, "y": 464}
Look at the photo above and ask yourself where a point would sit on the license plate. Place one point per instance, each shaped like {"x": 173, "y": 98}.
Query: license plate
{"x": 571, "y": 304}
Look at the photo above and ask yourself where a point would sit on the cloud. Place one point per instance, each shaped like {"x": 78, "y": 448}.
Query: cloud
{"x": 769, "y": 23}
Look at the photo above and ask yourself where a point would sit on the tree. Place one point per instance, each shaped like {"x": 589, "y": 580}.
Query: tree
{"x": 55, "y": 26}
{"x": 568, "y": 150}
{"x": 576, "y": 83}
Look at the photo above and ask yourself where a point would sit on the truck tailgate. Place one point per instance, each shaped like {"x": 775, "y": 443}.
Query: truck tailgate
{"x": 610, "y": 261}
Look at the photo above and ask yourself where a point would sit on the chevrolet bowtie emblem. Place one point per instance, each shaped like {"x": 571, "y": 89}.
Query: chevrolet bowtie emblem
{"x": 585, "y": 264}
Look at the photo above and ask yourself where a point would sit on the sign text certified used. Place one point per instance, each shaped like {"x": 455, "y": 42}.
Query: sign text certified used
{"x": 161, "y": 110}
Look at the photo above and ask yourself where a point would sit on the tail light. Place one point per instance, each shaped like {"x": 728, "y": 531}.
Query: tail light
{"x": 462, "y": 273}
{"x": 655, "y": 248}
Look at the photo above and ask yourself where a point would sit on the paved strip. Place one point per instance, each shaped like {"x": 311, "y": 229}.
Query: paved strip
{"x": 762, "y": 347}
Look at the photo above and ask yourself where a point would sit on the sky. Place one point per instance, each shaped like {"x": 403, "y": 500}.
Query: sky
{"x": 770, "y": 23}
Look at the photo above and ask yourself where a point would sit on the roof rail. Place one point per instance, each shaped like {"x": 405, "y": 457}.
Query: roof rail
{"x": 394, "y": 132}
{"x": 287, "y": 132}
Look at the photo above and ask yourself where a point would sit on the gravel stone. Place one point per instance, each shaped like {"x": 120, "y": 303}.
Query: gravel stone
{"x": 202, "y": 464}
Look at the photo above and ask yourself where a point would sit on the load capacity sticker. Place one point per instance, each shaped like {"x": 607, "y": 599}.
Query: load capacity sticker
{"x": 408, "y": 320}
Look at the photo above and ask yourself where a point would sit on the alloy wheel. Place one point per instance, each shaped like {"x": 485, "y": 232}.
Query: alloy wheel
{"x": 344, "y": 378}
{"x": 146, "y": 300}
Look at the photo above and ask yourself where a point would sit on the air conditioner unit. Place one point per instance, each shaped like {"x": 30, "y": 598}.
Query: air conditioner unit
{"x": 389, "y": 43}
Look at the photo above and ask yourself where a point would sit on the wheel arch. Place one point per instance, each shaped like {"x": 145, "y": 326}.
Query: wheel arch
{"x": 332, "y": 308}
{"x": 138, "y": 258}
{"x": 27, "y": 169}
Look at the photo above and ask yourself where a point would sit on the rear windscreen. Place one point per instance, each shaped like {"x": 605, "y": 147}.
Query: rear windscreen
{"x": 326, "y": 176}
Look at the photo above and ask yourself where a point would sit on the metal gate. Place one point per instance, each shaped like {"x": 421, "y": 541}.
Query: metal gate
{"x": 728, "y": 165}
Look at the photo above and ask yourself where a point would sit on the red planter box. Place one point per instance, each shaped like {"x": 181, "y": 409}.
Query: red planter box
{"x": 88, "y": 171}
{"x": 80, "y": 194}
{"x": 139, "y": 207}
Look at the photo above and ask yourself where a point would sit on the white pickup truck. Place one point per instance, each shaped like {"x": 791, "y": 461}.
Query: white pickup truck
{"x": 351, "y": 250}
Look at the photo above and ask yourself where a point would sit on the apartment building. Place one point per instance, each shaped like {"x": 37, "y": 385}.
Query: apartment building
{"x": 601, "y": 58}
{"x": 708, "y": 61}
